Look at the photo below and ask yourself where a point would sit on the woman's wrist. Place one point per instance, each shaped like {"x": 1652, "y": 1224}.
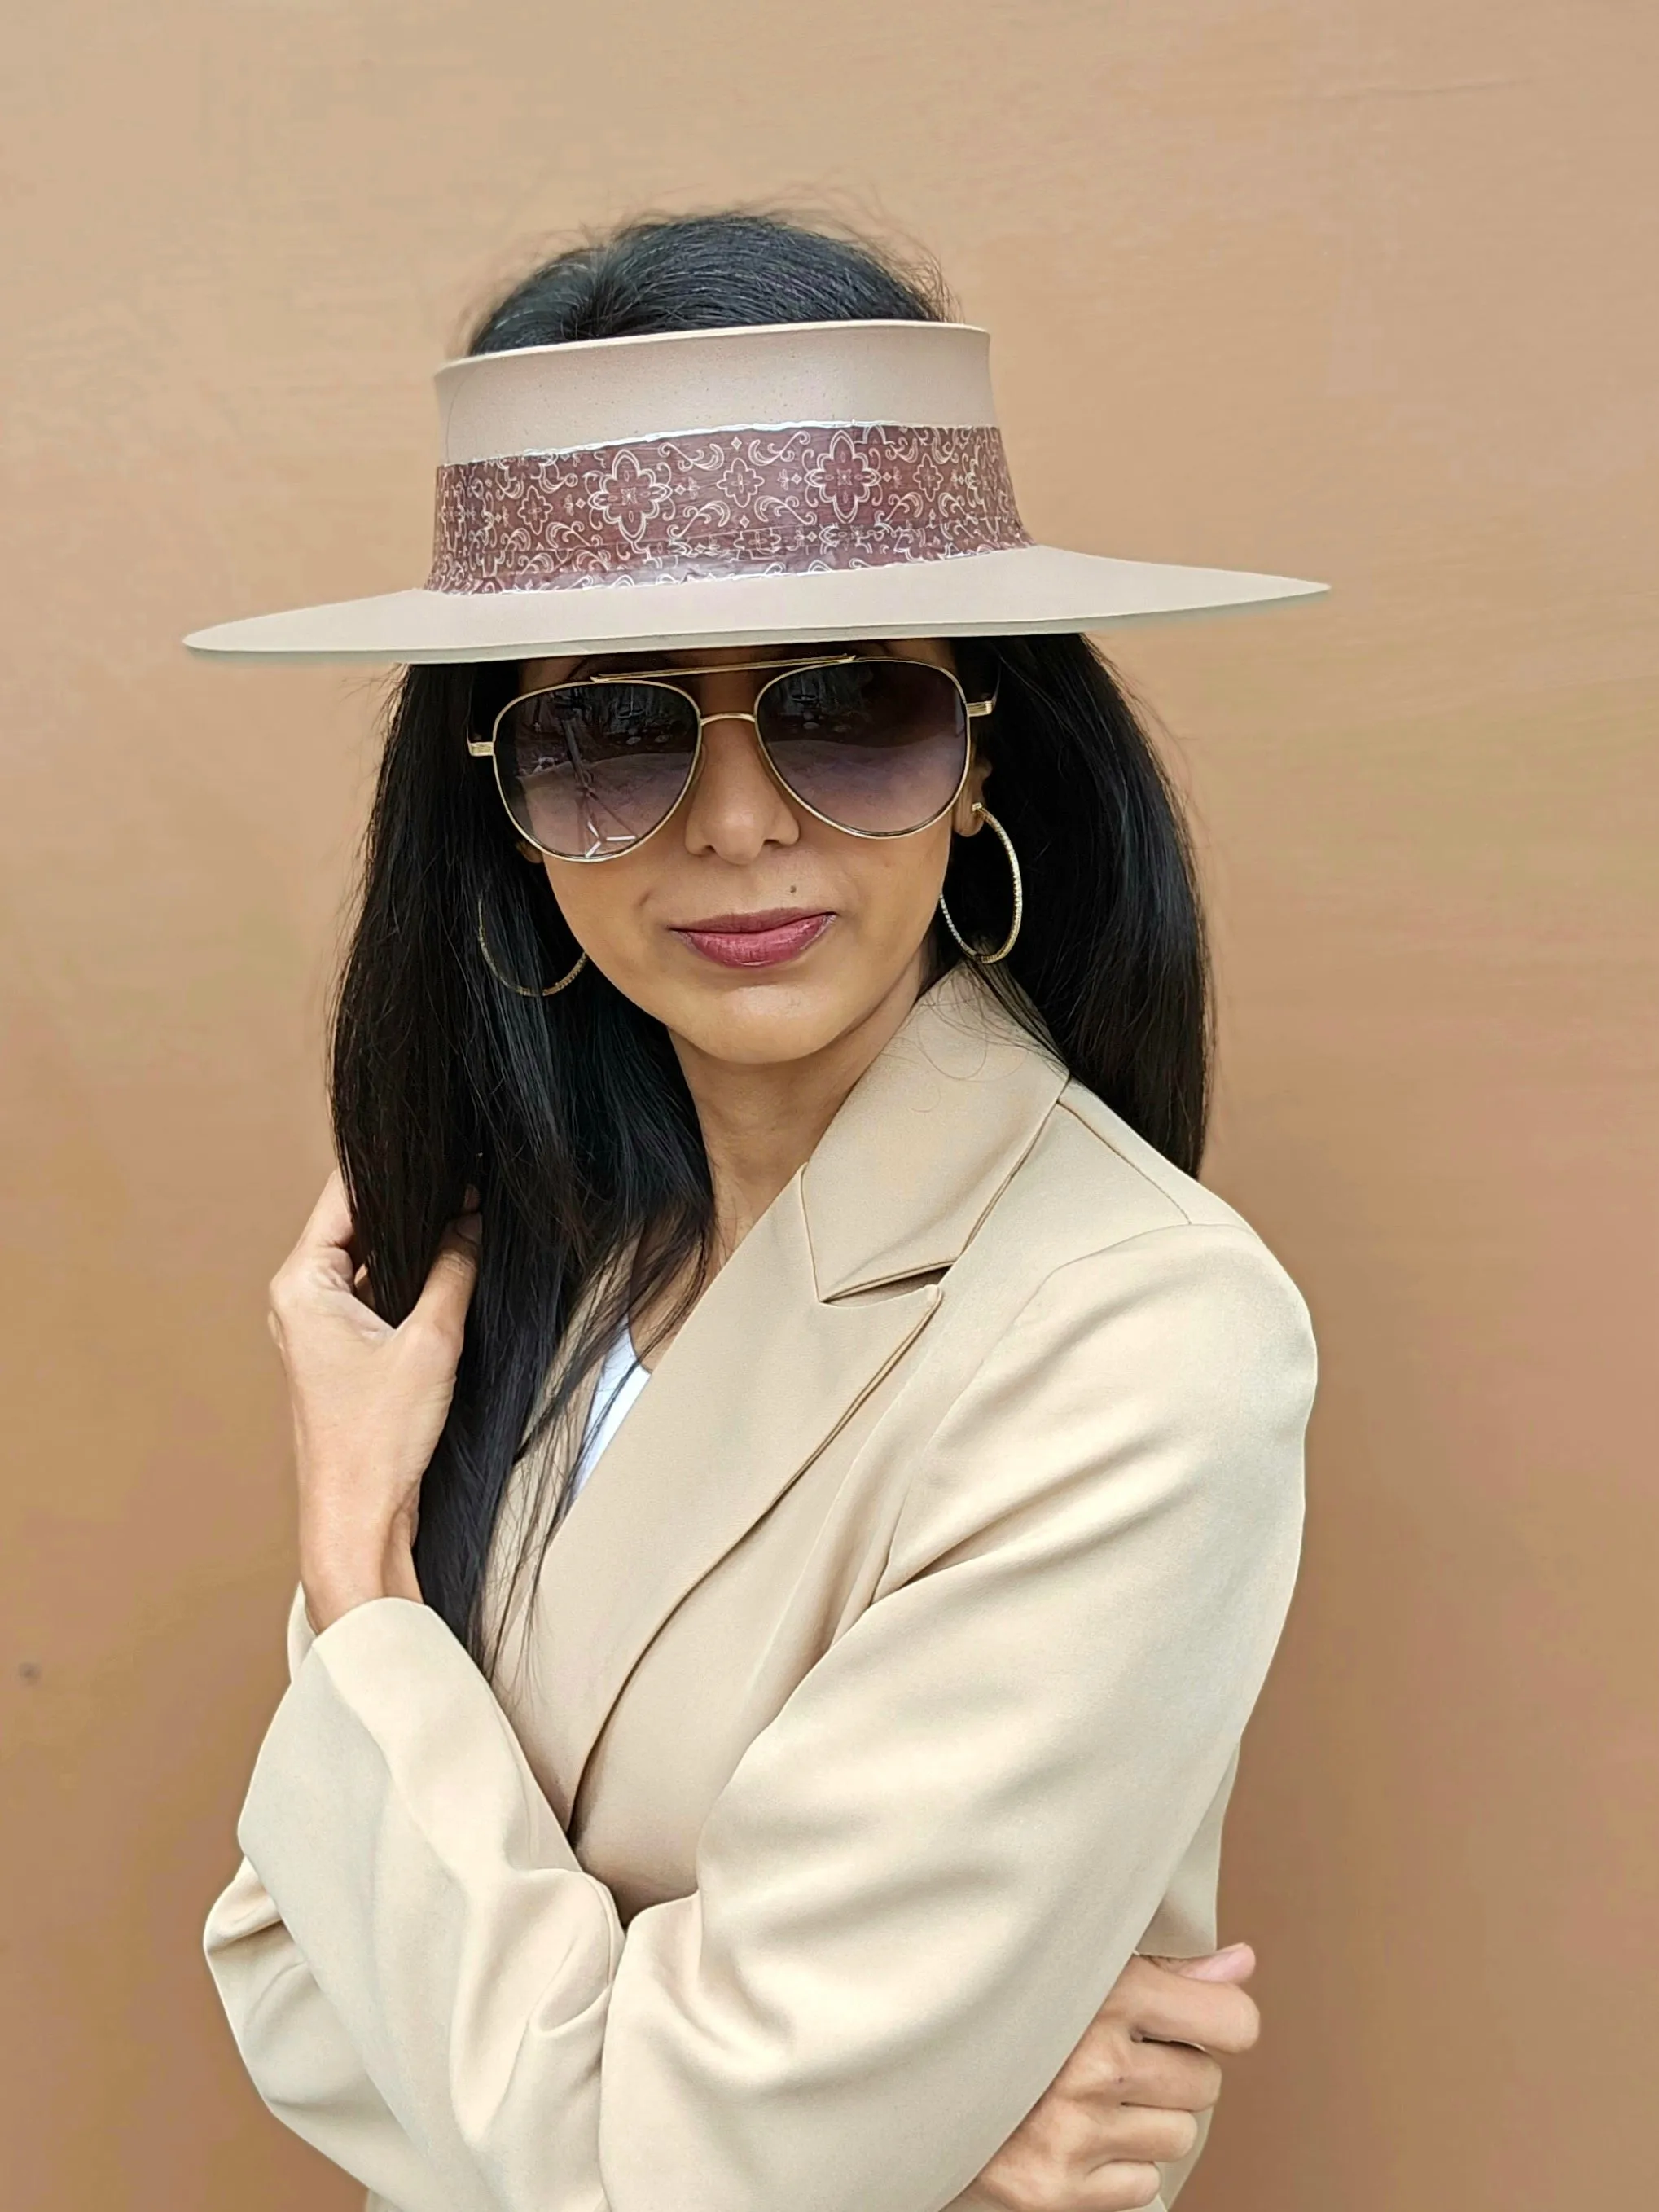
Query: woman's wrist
{"x": 336, "y": 1586}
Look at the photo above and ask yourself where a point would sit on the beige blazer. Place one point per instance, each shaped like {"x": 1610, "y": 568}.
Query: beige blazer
{"x": 882, "y": 1695}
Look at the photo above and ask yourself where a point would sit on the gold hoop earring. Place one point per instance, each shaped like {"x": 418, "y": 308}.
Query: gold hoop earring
{"x": 990, "y": 959}
{"x": 524, "y": 991}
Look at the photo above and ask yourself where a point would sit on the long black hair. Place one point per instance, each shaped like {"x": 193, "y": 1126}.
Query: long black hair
{"x": 570, "y": 1114}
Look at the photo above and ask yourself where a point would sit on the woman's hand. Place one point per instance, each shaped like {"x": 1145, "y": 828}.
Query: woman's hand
{"x": 1127, "y": 2096}
{"x": 369, "y": 1404}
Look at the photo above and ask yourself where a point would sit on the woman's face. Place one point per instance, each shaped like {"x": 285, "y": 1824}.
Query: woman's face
{"x": 755, "y": 932}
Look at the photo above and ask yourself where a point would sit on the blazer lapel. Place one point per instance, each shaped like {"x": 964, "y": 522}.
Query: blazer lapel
{"x": 777, "y": 1354}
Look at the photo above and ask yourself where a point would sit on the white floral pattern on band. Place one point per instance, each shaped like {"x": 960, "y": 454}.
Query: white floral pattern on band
{"x": 723, "y": 503}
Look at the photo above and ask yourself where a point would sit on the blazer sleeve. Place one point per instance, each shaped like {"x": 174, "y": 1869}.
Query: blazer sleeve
{"x": 922, "y": 1878}
{"x": 308, "y": 2072}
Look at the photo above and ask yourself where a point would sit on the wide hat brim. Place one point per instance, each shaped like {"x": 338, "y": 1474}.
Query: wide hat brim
{"x": 1018, "y": 591}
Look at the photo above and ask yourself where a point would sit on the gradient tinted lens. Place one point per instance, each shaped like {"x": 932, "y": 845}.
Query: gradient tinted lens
{"x": 876, "y": 745}
{"x": 590, "y": 768}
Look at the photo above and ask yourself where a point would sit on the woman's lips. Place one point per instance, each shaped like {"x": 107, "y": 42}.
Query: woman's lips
{"x": 755, "y": 940}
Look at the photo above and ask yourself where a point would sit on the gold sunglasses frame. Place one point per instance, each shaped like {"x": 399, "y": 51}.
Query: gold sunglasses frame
{"x": 481, "y": 748}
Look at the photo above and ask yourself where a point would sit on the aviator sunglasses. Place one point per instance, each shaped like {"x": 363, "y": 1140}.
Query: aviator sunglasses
{"x": 876, "y": 747}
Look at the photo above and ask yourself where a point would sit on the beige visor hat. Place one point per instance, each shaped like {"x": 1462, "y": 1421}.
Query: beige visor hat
{"x": 787, "y": 483}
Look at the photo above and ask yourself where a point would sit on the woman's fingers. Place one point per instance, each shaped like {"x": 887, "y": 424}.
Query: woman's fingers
{"x": 1110, "y": 2067}
{"x": 451, "y": 1280}
{"x": 1016, "y": 2185}
{"x": 1173, "y": 2076}
{"x": 1128, "y": 2098}
{"x": 329, "y": 1222}
{"x": 1219, "y": 2016}
{"x": 1119, "y": 2188}
{"x": 326, "y": 1258}
{"x": 1139, "y": 2134}
{"x": 1236, "y": 1964}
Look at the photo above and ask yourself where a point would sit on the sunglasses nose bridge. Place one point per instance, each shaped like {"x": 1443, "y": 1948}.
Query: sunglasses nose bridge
{"x": 698, "y": 766}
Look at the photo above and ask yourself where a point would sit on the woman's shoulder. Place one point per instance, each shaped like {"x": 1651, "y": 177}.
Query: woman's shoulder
{"x": 1091, "y": 1185}
{"x": 1119, "y": 1330}
{"x": 1096, "y": 1151}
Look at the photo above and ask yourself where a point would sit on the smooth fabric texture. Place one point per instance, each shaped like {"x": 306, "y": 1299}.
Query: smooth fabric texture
{"x": 879, "y": 1701}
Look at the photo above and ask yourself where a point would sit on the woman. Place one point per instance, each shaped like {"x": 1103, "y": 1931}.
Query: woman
{"x": 775, "y": 1811}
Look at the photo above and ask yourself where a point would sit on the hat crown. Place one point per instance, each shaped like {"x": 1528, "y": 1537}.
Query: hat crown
{"x": 606, "y": 391}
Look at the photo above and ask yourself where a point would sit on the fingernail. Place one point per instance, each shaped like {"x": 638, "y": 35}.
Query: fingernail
{"x": 1219, "y": 1964}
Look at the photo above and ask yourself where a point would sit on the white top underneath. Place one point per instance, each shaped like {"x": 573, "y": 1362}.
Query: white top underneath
{"x": 620, "y": 1380}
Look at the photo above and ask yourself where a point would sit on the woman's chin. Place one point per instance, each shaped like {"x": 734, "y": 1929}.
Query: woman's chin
{"x": 761, "y": 1018}
{"x": 760, "y": 1025}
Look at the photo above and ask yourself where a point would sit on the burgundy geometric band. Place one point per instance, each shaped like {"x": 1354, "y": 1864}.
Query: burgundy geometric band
{"x": 723, "y": 503}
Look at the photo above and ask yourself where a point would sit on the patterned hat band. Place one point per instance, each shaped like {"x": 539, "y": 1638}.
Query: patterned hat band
{"x": 712, "y": 503}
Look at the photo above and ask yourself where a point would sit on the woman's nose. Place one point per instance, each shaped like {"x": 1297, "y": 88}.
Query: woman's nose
{"x": 736, "y": 807}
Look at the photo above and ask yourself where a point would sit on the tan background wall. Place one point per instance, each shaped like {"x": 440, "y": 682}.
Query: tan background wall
{"x": 1355, "y": 288}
